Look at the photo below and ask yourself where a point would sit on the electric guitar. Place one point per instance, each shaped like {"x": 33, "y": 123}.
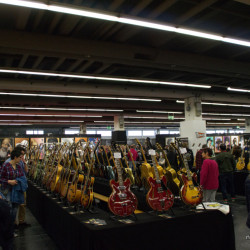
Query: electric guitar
{"x": 87, "y": 194}
{"x": 122, "y": 202}
{"x": 146, "y": 170}
{"x": 189, "y": 193}
{"x": 241, "y": 162}
{"x": 174, "y": 182}
{"x": 159, "y": 197}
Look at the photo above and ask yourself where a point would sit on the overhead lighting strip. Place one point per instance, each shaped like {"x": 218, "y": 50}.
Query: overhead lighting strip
{"x": 238, "y": 90}
{"x": 86, "y": 116}
{"x": 159, "y": 112}
{"x": 65, "y": 109}
{"x": 102, "y": 78}
{"x": 220, "y": 104}
{"x": 118, "y": 17}
{"x": 82, "y": 97}
{"x": 219, "y": 114}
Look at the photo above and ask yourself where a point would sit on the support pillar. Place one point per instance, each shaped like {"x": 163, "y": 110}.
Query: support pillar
{"x": 247, "y": 125}
{"x": 83, "y": 128}
{"x": 119, "y": 134}
{"x": 194, "y": 128}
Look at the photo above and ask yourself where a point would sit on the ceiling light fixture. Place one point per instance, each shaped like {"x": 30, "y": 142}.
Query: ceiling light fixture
{"x": 82, "y": 97}
{"x": 238, "y": 90}
{"x": 150, "y": 117}
{"x": 52, "y": 115}
{"x": 219, "y": 114}
{"x": 64, "y": 109}
{"x": 102, "y": 78}
{"x": 160, "y": 112}
{"x": 220, "y": 104}
{"x": 117, "y": 17}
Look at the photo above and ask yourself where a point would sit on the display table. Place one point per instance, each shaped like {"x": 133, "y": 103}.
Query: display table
{"x": 203, "y": 230}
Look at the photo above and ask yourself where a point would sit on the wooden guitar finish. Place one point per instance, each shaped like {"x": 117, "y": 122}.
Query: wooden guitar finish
{"x": 146, "y": 170}
{"x": 159, "y": 197}
{"x": 173, "y": 182}
{"x": 190, "y": 194}
{"x": 241, "y": 162}
{"x": 122, "y": 202}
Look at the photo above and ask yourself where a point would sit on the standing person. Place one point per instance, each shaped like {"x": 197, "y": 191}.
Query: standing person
{"x": 189, "y": 155}
{"x": 199, "y": 160}
{"x": 6, "y": 228}
{"x": 5, "y": 149}
{"x": 226, "y": 163}
{"x": 22, "y": 207}
{"x": 12, "y": 178}
{"x": 134, "y": 155}
{"x": 172, "y": 158}
{"x": 209, "y": 176}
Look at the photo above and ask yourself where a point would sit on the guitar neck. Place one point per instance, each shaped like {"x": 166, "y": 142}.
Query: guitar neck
{"x": 119, "y": 172}
{"x": 187, "y": 168}
{"x": 142, "y": 151}
{"x": 157, "y": 177}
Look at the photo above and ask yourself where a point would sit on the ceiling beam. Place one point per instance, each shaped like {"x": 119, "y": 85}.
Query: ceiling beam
{"x": 48, "y": 45}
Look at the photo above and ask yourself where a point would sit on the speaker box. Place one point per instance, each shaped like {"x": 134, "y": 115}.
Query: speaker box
{"x": 119, "y": 137}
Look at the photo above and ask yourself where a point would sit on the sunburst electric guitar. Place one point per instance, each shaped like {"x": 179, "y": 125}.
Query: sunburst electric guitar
{"x": 190, "y": 194}
{"x": 159, "y": 197}
{"x": 122, "y": 202}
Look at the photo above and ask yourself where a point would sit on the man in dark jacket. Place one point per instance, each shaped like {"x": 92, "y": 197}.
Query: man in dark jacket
{"x": 226, "y": 163}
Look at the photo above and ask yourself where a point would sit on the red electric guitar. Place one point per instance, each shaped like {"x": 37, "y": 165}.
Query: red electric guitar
{"x": 122, "y": 201}
{"x": 159, "y": 197}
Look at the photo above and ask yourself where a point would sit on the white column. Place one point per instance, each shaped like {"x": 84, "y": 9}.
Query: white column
{"x": 83, "y": 128}
{"x": 247, "y": 125}
{"x": 193, "y": 127}
{"x": 119, "y": 122}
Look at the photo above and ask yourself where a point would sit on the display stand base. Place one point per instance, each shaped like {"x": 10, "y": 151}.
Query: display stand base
{"x": 117, "y": 218}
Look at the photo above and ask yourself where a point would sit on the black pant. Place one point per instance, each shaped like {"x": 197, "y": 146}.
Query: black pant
{"x": 227, "y": 180}
{"x": 6, "y": 226}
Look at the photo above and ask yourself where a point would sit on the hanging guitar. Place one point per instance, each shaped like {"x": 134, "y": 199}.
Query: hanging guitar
{"x": 121, "y": 202}
{"x": 159, "y": 197}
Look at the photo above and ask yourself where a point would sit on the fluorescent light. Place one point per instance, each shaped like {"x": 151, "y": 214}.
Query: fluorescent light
{"x": 104, "y": 121}
{"x": 117, "y": 17}
{"x": 230, "y": 123}
{"x": 224, "y": 119}
{"x": 102, "y": 78}
{"x": 149, "y": 122}
{"x": 239, "y": 90}
{"x": 64, "y": 109}
{"x": 149, "y": 117}
{"x": 160, "y": 112}
{"x": 52, "y": 121}
{"x": 52, "y": 115}
{"x": 220, "y": 114}
{"x": 220, "y": 104}
{"x": 83, "y": 97}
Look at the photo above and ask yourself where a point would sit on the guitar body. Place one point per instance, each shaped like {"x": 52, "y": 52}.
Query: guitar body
{"x": 129, "y": 174}
{"x": 87, "y": 196}
{"x": 173, "y": 181}
{"x": 60, "y": 181}
{"x": 240, "y": 164}
{"x": 110, "y": 172}
{"x": 56, "y": 177}
{"x": 122, "y": 201}
{"x": 67, "y": 181}
{"x": 74, "y": 192}
{"x": 190, "y": 194}
{"x": 248, "y": 166}
{"x": 146, "y": 172}
{"x": 157, "y": 198}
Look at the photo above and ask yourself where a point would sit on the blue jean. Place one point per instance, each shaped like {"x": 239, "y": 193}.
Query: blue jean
{"x": 227, "y": 180}
{"x": 247, "y": 192}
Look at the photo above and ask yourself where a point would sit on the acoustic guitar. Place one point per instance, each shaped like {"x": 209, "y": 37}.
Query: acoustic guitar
{"x": 122, "y": 202}
{"x": 173, "y": 181}
{"x": 159, "y": 197}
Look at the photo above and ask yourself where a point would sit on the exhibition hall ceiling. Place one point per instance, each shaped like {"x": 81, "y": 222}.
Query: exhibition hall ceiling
{"x": 67, "y": 62}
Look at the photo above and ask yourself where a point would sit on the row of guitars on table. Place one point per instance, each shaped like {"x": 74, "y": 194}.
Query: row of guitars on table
{"x": 69, "y": 170}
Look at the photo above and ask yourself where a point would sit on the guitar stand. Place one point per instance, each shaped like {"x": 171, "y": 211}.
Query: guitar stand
{"x": 158, "y": 213}
{"x": 118, "y": 218}
{"x": 92, "y": 209}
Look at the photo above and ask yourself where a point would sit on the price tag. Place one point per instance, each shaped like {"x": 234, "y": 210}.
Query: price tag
{"x": 183, "y": 150}
{"x": 151, "y": 152}
{"x": 92, "y": 154}
{"x": 117, "y": 155}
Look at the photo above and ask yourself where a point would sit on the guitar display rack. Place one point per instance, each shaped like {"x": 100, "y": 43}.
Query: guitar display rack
{"x": 118, "y": 218}
{"x": 158, "y": 213}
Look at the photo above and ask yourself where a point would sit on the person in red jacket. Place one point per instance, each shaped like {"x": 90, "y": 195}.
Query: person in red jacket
{"x": 209, "y": 176}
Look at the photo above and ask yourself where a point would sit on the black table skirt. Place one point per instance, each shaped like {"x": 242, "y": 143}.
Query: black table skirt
{"x": 187, "y": 230}
{"x": 239, "y": 181}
